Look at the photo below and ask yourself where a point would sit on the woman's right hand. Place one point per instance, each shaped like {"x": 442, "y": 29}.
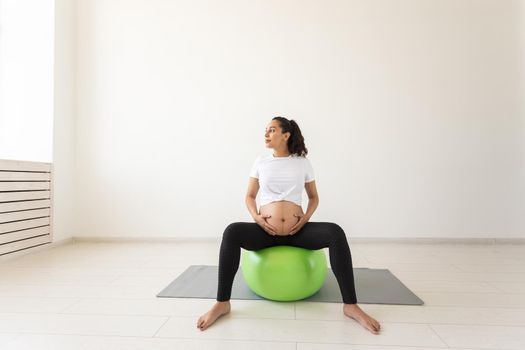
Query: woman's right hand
{"x": 261, "y": 221}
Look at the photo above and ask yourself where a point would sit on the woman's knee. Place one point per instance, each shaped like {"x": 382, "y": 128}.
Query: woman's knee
{"x": 336, "y": 232}
{"x": 232, "y": 231}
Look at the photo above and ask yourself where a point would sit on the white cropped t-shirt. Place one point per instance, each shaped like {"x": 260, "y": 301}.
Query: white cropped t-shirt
{"x": 281, "y": 178}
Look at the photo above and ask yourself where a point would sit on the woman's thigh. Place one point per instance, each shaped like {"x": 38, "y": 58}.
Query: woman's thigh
{"x": 315, "y": 235}
{"x": 250, "y": 236}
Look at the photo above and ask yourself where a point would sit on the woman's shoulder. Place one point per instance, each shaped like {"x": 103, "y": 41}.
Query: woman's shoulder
{"x": 260, "y": 160}
{"x": 305, "y": 161}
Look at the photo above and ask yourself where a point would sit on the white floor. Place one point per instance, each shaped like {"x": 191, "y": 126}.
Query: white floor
{"x": 102, "y": 296}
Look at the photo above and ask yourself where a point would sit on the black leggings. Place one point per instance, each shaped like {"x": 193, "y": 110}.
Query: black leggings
{"x": 313, "y": 235}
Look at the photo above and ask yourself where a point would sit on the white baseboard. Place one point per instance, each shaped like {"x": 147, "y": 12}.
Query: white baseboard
{"x": 357, "y": 240}
{"x": 122, "y": 239}
{"x": 427, "y": 240}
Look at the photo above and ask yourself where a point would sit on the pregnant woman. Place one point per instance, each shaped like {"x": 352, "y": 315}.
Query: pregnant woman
{"x": 281, "y": 178}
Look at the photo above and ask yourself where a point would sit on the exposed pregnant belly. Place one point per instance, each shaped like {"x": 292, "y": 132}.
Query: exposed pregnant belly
{"x": 282, "y": 215}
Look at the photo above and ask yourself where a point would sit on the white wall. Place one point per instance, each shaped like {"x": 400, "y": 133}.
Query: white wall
{"x": 37, "y": 46}
{"x": 26, "y": 79}
{"x": 64, "y": 121}
{"x": 410, "y": 109}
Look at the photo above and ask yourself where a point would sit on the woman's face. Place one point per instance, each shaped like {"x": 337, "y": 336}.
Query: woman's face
{"x": 274, "y": 138}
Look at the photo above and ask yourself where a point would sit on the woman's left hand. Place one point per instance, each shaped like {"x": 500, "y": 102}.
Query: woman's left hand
{"x": 299, "y": 225}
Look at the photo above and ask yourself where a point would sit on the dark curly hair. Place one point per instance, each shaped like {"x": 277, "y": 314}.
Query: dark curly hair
{"x": 296, "y": 140}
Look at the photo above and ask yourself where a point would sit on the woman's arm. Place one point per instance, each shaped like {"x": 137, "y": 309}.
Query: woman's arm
{"x": 251, "y": 194}
{"x": 313, "y": 199}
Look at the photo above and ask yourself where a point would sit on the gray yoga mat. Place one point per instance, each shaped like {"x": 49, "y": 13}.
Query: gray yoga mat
{"x": 373, "y": 286}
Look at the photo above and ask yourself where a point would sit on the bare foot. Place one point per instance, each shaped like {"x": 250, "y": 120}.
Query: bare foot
{"x": 355, "y": 312}
{"x": 220, "y": 308}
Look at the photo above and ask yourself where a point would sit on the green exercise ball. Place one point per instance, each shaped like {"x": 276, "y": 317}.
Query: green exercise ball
{"x": 284, "y": 273}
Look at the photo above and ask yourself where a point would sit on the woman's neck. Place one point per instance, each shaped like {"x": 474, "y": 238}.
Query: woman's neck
{"x": 281, "y": 154}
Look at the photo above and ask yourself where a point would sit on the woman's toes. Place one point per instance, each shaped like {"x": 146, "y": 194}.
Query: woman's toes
{"x": 211, "y": 316}
{"x": 200, "y": 323}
